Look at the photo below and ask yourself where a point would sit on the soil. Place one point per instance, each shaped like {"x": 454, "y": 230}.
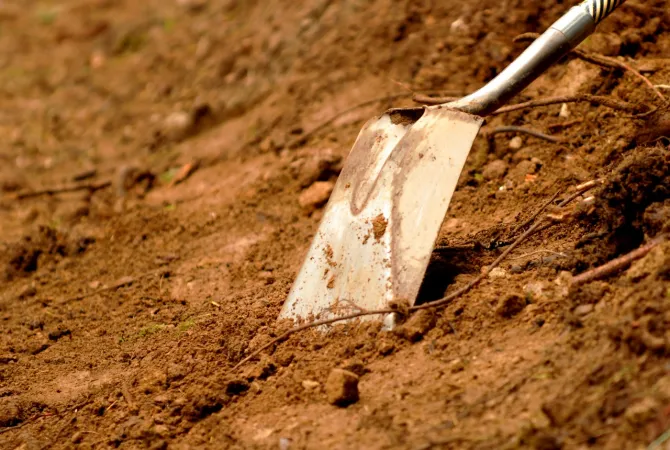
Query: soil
{"x": 124, "y": 307}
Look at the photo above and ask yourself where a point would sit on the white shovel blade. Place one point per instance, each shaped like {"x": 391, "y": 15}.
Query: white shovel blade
{"x": 380, "y": 225}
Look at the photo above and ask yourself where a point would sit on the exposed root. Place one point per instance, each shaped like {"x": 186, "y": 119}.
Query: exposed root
{"x": 514, "y": 129}
{"x": 91, "y": 187}
{"x": 306, "y": 326}
{"x": 537, "y": 213}
{"x": 428, "y": 100}
{"x": 608, "y": 102}
{"x": 602, "y": 61}
{"x": 616, "y": 264}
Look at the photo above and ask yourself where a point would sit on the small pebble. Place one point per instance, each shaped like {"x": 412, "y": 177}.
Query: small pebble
{"x": 515, "y": 143}
{"x": 495, "y": 170}
{"x": 417, "y": 325}
{"x": 177, "y": 125}
{"x": 316, "y": 195}
{"x": 498, "y": 272}
{"x": 310, "y": 384}
{"x": 583, "y": 310}
{"x": 342, "y": 387}
{"x": 535, "y": 290}
{"x": 457, "y": 365}
{"x": 386, "y": 348}
{"x": 284, "y": 443}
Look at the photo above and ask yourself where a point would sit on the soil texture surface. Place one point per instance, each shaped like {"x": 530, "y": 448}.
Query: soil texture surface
{"x": 164, "y": 165}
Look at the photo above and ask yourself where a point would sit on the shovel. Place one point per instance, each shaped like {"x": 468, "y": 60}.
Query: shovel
{"x": 379, "y": 227}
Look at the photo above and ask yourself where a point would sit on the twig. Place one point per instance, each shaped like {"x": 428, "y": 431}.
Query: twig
{"x": 537, "y": 213}
{"x": 428, "y": 100}
{"x": 15, "y": 427}
{"x": 609, "y": 102}
{"x": 305, "y": 137}
{"x": 514, "y": 129}
{"x": 600, "y": 60}
{"x": 605, "y": 61}
{"x": 306, "y": 326}
{"x": 530, "y": 36}
{"x": 537, "y": 252}
{"x": 615, "y": 265}
{"x": 92, "y": 187}
{"x": 582, "y": 189}
{"x": 446, "y": 300}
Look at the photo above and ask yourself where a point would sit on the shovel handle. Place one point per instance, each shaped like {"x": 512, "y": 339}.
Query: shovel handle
{"x": 564, "y": 35}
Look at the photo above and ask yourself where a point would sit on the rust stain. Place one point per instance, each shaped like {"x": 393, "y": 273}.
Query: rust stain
{"x": 328, "y": 252}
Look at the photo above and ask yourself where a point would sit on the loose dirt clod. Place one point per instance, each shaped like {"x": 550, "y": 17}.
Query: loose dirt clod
{"x": 379, "y": 224}
{"x": 495, "y": 170}
{"x": 316, "y": 195}
{"x": 417, "y": 325}
{"x": 342, "y": 387}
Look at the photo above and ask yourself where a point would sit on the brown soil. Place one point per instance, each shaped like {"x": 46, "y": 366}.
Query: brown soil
{"x": 124, "y": 308}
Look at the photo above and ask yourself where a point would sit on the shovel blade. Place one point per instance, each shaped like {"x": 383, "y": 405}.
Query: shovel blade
{"x": 379, "y": 227}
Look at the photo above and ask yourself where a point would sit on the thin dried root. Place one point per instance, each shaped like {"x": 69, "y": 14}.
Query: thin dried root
{"x": 608, "y": 102}
{"x": 602, "y": 61}
{"x": 616, "y": 264}
{"x": 91, "y": 187}
{"x": 514, "y": 129}
{"x": 428, "y": 100}
{"x": 606, "y": 61}
{"x": 306, "y": 326}
{"x": 537, "y": 213}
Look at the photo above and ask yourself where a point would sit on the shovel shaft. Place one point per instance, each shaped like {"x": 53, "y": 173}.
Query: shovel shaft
{"x": 565, "y": 34}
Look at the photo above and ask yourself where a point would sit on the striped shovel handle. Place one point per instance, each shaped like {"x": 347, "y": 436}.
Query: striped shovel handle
{"x": 599, "y": 9}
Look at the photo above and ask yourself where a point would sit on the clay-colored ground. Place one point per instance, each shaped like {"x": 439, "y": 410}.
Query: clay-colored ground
{"x": 197, "y": 267}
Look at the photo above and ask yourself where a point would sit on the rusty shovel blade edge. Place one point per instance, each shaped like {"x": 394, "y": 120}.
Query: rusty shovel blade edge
{"x": 379, "y": 227}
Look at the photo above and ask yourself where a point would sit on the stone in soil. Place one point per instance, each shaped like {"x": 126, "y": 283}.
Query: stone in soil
{"x": 342, "y": 387}
{"x": 316, "y": 195}
{"x": 495, "y": 170}
{"x": 515, "y": 143}
{"x": 417, "y": 325}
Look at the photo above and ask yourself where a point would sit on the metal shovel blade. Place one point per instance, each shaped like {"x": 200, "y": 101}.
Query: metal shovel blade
{"x": 380, "y": 225}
